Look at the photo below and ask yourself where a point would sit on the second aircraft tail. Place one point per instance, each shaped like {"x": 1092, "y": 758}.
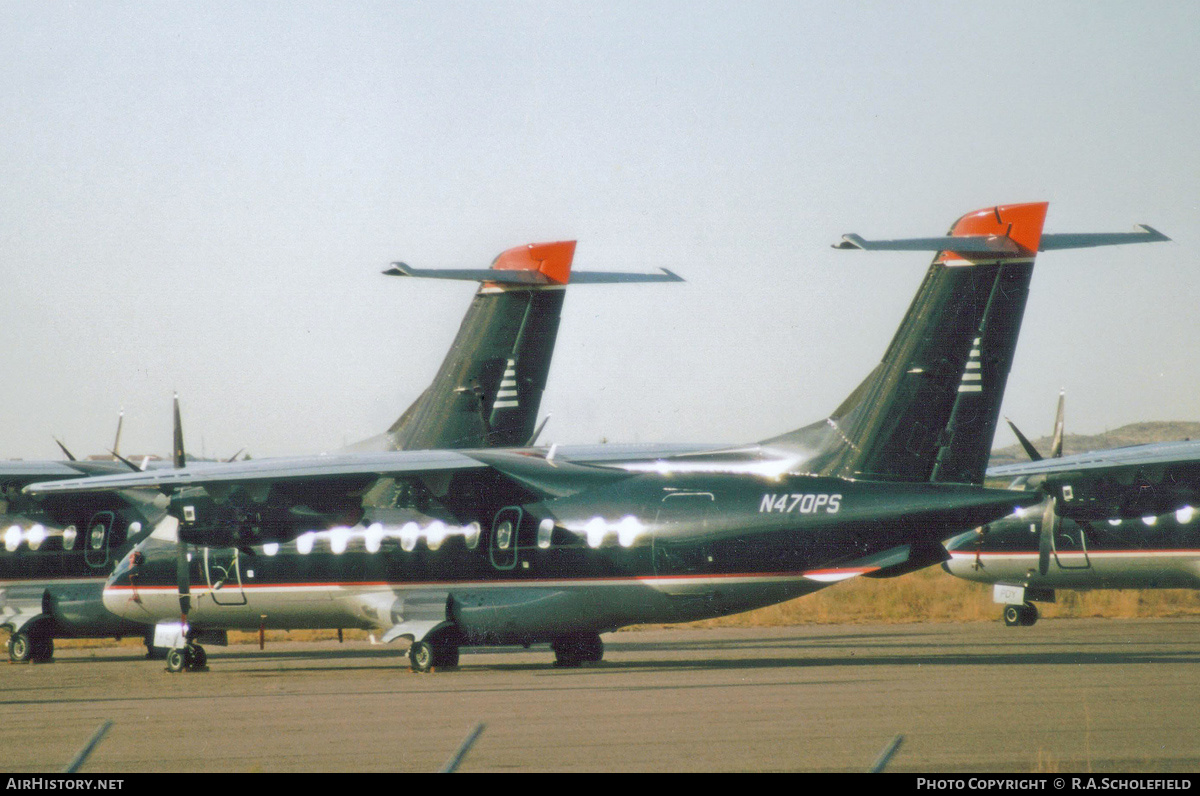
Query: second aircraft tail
{"x": 929, "y": 410}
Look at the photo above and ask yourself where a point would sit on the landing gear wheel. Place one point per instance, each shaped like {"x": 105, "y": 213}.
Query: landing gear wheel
{"x": 20, "y": 648}
{"x": 421, "y": 656}
{"x": 189, "y": 658}
{"x": 1020, "y": 615}
{"x": 445, "y": 656}
{"x": 593, "y": 649}
{"x": 176, "y": 660}
{"x": 437, "y": 651}
{"x": 43, "y": 648}
{"x": 573, "y": 651}
{"x": 566, "y": 656}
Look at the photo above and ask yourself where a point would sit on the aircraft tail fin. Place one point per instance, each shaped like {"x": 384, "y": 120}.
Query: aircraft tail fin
{"x": 929, "y": 410}
{"x": 489, "y": 388}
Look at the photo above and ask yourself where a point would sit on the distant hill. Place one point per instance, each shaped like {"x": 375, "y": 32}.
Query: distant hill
{"x": 1132, "y": 434}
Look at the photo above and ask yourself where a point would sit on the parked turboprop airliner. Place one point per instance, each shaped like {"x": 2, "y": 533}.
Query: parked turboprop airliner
{"x": 520, "y": 546}
{"x": 58, "y": 551}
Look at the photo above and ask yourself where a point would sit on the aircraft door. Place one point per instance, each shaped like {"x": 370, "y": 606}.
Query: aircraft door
{"x": 223, "y": 570}
{"x": 1070, "y": 537}
{"x": 502, "y": 546}
{"x": 678, "y": 550}
{"x": 97, "y": 538}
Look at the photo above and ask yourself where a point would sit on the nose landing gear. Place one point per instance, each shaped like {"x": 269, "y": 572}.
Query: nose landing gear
{"x": 188, "y": 658}
{"x": 1020, "y": 615}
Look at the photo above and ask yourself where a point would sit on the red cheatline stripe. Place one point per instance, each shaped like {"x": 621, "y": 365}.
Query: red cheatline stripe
{"x": 1089, "y": 551}
{"x": 508, "y": 581}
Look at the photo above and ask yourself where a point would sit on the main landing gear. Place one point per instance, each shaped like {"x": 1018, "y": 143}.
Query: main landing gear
{"x": 188, "y": 658}
{"x": 573, "y": 651}
{"x": 1020, "y": 615}
{"x": 436, "y": 652}
{"x": 30, "y": 647}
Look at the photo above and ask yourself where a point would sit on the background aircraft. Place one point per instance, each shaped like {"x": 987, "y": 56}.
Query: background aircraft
{"x": 1123, "y": 518}
{"x": 522, "y": 546}
{"x": 57, "y": 552}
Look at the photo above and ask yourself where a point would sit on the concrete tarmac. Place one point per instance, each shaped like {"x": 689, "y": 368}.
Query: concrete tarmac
{"x": 1064, "y": 695}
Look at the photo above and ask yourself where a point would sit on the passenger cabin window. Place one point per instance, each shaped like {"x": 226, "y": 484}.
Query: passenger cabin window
{"x": 504, "y": 535}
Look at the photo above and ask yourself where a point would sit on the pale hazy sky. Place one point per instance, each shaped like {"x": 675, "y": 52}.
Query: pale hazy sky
{"x": 200, "y": 196}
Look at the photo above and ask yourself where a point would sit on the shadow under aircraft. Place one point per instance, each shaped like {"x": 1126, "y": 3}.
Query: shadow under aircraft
{"x": 59, "y": 550}
{"x": 523, "y": 546}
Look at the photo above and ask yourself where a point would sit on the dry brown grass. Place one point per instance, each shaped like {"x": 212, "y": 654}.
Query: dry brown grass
{"x": 933, "y": 596}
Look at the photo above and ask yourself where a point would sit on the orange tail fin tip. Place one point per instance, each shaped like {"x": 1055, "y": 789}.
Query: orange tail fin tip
{"x": 553, "y": 260}
{"x": 1021, "y": 223}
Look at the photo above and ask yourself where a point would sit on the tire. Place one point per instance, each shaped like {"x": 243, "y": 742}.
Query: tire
{"x": 1029, "y": 614}
{"x": 199, "y": 658}
{"x": 43, "y": 648}
{"x": 176, "y": 660}
{"x": 445, "y": 656}
{"x": 421, "y": 656}
{"x": 568, "y": 652}
{"x": 1013, "y": 614}
{"x": 593, "y": 649}
{"x": 20, "y": 648}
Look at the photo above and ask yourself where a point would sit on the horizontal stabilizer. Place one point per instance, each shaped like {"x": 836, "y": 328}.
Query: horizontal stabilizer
{"x": 528, "y": 277}
{"x": 1001, "y": 244}
{"x": 1086, "y": 240}
{"x": 611, "y": 277}
{"x": 982, "y": 244}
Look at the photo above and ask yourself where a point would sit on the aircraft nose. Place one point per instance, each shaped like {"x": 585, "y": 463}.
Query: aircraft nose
{"x": 120, "y": 597}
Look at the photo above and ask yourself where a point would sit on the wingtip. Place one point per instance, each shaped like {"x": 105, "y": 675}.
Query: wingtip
{"x": 1154, "y": 234}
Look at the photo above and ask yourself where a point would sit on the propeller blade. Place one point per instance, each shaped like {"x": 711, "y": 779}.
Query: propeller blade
{"x": 1046, "y": 538}
{"x": 64, "y": 449}
{"x": 178, "y": 455}
{"x": 1057, "y": 447}
{"x": 125, "y": 461}
{"x": 117, "y": 440}
{"x": 537, "y": 432}
{"x": 183, "y": 579}
{"x": 1031, "y": 451}
{"x": 182, "y": 575}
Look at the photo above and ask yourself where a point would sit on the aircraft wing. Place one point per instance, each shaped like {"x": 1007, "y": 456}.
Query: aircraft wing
{"x": 1157, "y": 453}
{"x": 18, "y": 469}
{"x": 1138, "y": 481}
{"x": 17, "y": 472}
{"x": 305, "y": 468}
